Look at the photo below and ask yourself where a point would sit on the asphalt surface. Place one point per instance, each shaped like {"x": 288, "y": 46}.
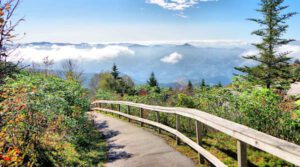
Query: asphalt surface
{"x": 131, "y": 146}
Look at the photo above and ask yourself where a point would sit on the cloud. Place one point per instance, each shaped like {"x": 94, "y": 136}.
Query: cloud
{"x": 181, "y": 15}
{"x": 195, "y": 43}
{"x": 293, "y": 49}
{"x": 176, "y": 5}
{"x": 59, "y": 53}
{"x": 294, "y": 53}
{"x": 172, "y": 58}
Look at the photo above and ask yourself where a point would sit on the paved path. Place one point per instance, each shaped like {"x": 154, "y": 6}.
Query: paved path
{"x": 131, "y": 146}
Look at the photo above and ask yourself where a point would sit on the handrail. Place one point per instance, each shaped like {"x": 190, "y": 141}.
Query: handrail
{"x": 285, "y": 150}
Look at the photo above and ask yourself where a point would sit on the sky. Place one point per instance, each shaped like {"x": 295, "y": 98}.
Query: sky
{"x": 95, "y": 21}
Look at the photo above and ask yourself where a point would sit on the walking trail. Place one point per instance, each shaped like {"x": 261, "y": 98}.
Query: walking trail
{"x": 131, "y": 146}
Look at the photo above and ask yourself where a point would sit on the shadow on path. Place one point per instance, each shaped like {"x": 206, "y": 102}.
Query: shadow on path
{"x": 114, "y": 151}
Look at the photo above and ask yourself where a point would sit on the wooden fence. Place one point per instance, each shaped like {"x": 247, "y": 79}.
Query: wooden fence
{"x": 245, "y": 136}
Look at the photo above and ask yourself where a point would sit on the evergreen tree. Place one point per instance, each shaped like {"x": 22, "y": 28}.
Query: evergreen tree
{"x": 115, "y": 72}
{"x": 219, "y": 85}
{"x": 273, "y": 67}
{"x": 152, "y": 82}
{"x": 190, "y": 87}
{"x": 203, "y": 84}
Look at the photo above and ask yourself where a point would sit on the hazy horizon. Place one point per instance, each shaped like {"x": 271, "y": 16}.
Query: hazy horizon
{"x": 172, "y": 62}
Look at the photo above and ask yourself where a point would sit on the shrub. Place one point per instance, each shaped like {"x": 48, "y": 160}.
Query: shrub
{"x": 40, "y": 116}
{"x": 185, "y": 101}
{"x": 260, "y": 110}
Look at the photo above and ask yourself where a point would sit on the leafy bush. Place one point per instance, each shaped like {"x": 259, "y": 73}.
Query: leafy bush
{"x": 185, "y": 101}
{"x": 43, "y": 121}
{"x": 260, "y": 110}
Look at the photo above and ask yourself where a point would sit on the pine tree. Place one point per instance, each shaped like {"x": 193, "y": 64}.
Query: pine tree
{"x": 203, "y": 84}
{"x": 152, "y": 82}
{"x": 273, "y": 67}
{"x": 190, "y": 87}
{"x": 115, "y": 72}
{"x": 219, "y": 85}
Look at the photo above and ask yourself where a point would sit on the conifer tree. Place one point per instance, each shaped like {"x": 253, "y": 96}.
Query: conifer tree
{"x": 152, "y": 82}
{"x": 190, "y": 87}
{"x": 203, "y": 84}
{"x": 219, "y": 85}
{"x": 273, "y": 67}
{"x": 115, "y": 72}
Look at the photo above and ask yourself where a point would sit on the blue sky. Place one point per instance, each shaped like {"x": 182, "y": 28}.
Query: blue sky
{"x": 142, "y": 20}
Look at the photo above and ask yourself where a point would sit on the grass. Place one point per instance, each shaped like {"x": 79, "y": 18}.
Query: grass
{"x": 220, "y": 145}
{"x": 88, "y": 150}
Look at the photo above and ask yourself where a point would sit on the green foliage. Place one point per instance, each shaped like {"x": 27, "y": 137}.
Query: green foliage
{"x": 273, "y": 69}
{"x": 190, "y": 87}
{"x": 185, "y": 101}
{"x": 114, "y": 83}
{"x": 7, "y": 69}
{"x": 203, "y": 84}
{"x": 105, "y": 95}
{"x": 298, "y": 103}
{"x": 152, "y": 96}
{"x": 295, "y": 71}
{"x": 260, "y": 109}
{"x": 115, "y": 72}
{"x": 43, "y": 122}
{"x": 152, "y": 82}
{"x": 219, "y": 85}
{"x": 72, "y": 72}
{"x": 240, "y": 102}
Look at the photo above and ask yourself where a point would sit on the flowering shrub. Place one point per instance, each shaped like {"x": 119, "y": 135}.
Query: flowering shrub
{"x": 39, "y": 115}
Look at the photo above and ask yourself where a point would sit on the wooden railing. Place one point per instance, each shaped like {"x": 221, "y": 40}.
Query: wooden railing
{"x": 245, "y": 136}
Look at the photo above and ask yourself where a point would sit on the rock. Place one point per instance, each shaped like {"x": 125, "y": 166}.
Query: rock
{"x": 294, "y": 90}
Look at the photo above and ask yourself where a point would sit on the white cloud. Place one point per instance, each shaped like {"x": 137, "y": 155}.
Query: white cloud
{"x": 293, "y": 49}
{"x": 176, "y": 5}
{"x": 182, "y": 15}
{"x": 59, "y": 53}
{"x": 172, "y": 58}
{"x": 196, "y": 43}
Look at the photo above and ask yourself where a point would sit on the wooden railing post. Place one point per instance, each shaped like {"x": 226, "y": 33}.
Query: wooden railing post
{"x": 189, "y": 129}
{"x": 177, "y": 128}
{"x": 158, "y": 120}
{"x": 199, "y": 135}
{"x": 112, "y": 106}
{"x": 119, "y": 108}
{"x": 128, "y": 112}
{"x": 142, "y": 115}
{"x": 242, "y": 154}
